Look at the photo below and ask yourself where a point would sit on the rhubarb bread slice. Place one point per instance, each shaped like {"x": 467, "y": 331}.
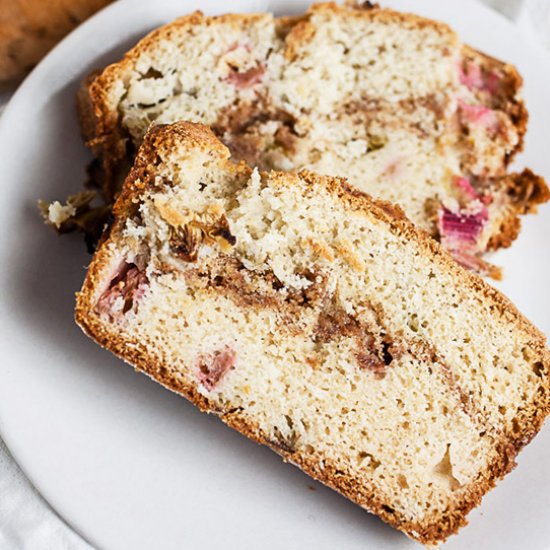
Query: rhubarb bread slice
{"x": 321, "y": 323}
{"x": 393, "y": 102}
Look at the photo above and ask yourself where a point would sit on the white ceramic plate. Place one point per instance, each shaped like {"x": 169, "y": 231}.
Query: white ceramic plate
{"x": 131, "y": 465}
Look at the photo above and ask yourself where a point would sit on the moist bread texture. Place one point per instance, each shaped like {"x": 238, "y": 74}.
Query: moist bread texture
{"x": 320, "y": 322}
{"x": 393, "y": 102}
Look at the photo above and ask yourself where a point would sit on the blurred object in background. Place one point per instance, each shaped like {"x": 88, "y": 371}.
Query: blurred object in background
{"x": 30, "y": 28}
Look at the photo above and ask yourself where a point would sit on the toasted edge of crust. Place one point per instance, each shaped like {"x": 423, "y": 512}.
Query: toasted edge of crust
{"x": 376, "y": 13}
{"x": 525, "y": 190}
{"x": 434, "y": 529}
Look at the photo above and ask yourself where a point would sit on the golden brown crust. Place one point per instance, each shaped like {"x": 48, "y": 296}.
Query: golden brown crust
{"x": 385, "y": 15}
{"x": 434, "y": 529}
{"x": 525, "y": 191}
{"x": 285, "y": 24}
{"x": 102, "y": 135}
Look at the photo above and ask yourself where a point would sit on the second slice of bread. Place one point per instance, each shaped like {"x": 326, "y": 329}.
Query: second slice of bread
{"x": 392, "y": 101}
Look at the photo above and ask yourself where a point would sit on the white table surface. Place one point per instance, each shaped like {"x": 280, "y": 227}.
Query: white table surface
{"x": 26, "y": 520}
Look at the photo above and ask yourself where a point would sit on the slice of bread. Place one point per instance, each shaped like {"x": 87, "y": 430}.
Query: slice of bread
{"x": 393, "y": 102}
{"x": 321, "y": 323}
